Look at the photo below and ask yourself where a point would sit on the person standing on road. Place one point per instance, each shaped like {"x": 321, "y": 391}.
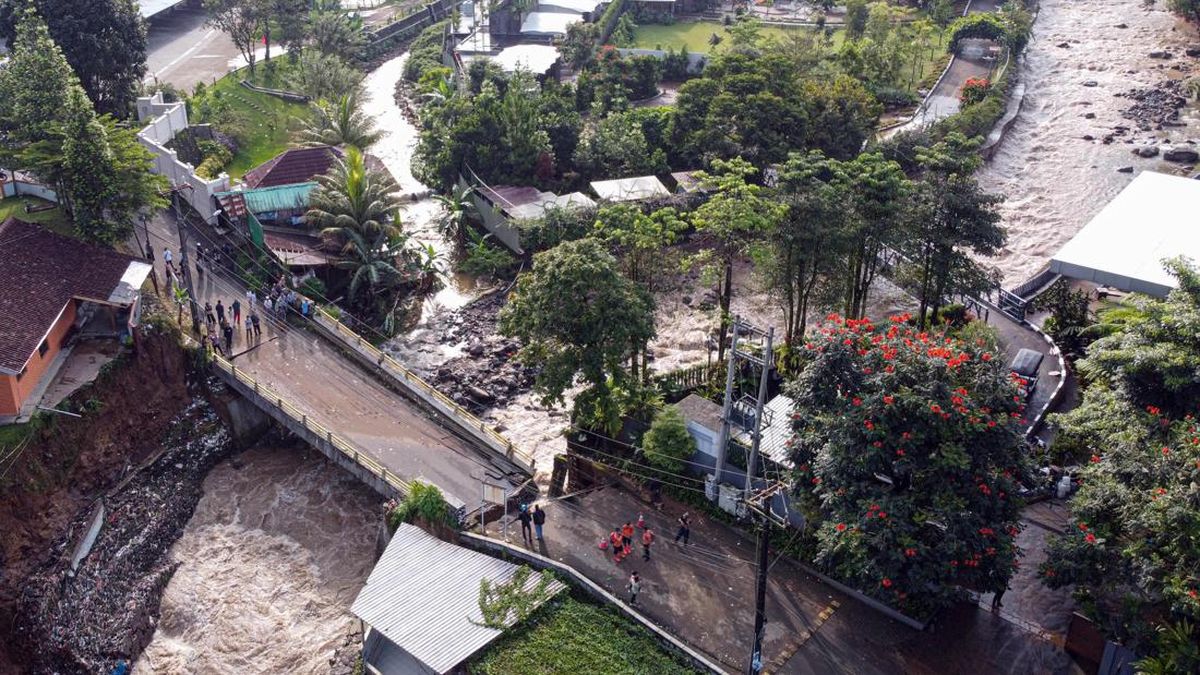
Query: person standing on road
{"x": 615, "y": 540}
{"x": 539, "y": 519}
{"x": 634, "y": 587}
{"x": 208, "y": 314}
{"x": 647, "y": 539}
{"x": 526, "y": 519}
{"x": 257, "y": 328}
{"x": 237, "y": 312}
{"x": 249, "y": 330}
{"x": 685, "y": 529}
{"x": 168, "y": 259}
{"x": 251, "y": 298}
{"x": 627, "y": 535}
{"x": 220, "y": 312}
{"x": 227, "y": 330}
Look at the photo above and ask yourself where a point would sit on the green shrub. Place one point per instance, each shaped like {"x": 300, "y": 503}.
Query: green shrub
{"x": 425, "y": 52}
{"x": 667, "y": 444}
{"x": 424, "y": 502}
{"x": 484, "y": 259}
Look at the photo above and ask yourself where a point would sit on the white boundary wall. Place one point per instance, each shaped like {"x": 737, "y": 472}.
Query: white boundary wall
{"x": 163, "y": 121}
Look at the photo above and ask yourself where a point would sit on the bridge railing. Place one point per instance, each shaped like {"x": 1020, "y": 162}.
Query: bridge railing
{"x": 300, "y": 417}
{"x": 479, "y": 429}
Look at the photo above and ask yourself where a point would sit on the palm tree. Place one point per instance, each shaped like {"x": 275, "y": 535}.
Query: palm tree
{"x": 371, "y": 263}
{"x": 352, "y": 199}
{"x": 457, "y": 211}
{"x": 340, "y": 122}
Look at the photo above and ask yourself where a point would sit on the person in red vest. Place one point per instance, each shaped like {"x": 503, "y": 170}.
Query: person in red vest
{"x": 647, "y": 539}
{"x": 615, "y": 540}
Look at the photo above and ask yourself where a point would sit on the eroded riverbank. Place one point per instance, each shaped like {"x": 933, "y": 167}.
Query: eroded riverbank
{"x": 1058, "y": 164}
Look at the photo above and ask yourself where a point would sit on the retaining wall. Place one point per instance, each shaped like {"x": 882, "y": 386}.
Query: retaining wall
{"x": 163, "y": 121}
{"x": 494, "y": 546}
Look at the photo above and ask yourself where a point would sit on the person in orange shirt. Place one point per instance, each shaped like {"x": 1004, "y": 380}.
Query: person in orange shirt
{"x": 627, "y": 534}
{"x": 647, "y": 539}
{"x": 615, "y": 540}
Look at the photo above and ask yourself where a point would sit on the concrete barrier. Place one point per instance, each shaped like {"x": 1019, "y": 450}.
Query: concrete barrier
{"x": 164, "y": 120}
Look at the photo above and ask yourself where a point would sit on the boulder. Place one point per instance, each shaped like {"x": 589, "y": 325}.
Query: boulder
{"x": 1192, "y": 51}
{"x": 1063, "y": 45}
{"x": 479, "y": 394}
{"x": 1147, "y": 151}
{"x": 1160, "y": 54}
{"x": 1121, "y": 25}
{"x": 1125, "y": 169}
{"x": 1089, "y": 116}
{"x": 1184, "y": 154}
{"x": 1089, "y": 137}
{"x": 1091, "y": 83}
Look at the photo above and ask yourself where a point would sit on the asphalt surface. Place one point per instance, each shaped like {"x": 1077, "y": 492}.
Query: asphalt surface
{"x": 704, "y": 594}
{"x": 181, "y": 50}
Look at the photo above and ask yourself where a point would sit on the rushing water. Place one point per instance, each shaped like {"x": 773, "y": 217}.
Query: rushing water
{"x": 1054, "y": 180}
{"x": 278, "y": 548}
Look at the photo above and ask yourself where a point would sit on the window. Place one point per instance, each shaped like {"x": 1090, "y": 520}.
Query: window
{"x": 44, "y": 347}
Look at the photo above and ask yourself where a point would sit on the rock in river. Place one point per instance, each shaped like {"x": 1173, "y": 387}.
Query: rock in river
{"x": 1184, "y": 154}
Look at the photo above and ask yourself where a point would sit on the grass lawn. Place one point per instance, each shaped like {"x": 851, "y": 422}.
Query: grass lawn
{"x": 568, "y": 636}
{"x": 54, "y": 218}
{"x": 695, "y": 35}
{"x": 265, "y": 123}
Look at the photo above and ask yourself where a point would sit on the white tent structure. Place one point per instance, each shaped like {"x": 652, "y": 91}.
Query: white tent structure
{"x": 573, "y": 6}
{"x": 1155, "y": 218}
{"x": 630, "y": 189}
{"x": 537, "y": 59}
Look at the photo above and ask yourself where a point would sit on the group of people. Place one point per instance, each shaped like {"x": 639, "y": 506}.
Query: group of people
{"x": 223, "y": 322}
{"x": 531, "y": 516}
{"x": 621, "y": 541}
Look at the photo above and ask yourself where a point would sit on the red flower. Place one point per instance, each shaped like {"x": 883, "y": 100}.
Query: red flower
{"x": 987, "y": 356}
{"x": 1166, "y": 451}
{"x": 841, "y": 527}
{"x": 887, "y": 400}
{"x": 1095, "y": 459}
{"x": 1090, "y": 538}
{"x": 883, "y": 514}
{"x": 1082, "y": 526}
{"x": 887, "y": 583}
{"x": 900, "y": 452}
{"x": 856, "y": 401}
{"x": 816, "y": 480}
{"x": 935, "y": 408}
{"x": 910, "y": 552}
{"x": 991, "y": 423}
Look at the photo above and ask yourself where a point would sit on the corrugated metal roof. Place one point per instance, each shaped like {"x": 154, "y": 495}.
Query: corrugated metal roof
{"x": 423, "y": 596}
{"x": 279, "y": 198}
{"x": 630, "y": 189}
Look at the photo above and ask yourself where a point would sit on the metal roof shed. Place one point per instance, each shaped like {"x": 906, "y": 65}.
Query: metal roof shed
{"x": 548, "y": 23}
{"x": 422, "y": 604}
{"x": 1156, "y": 217}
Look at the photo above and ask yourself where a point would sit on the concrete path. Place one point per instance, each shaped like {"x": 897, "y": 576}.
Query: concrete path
{"x": 314, "y": 376}
{"x": 704, "y": 594}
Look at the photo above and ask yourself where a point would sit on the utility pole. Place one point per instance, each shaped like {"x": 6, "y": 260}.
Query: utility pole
{"x": 758, "y": 504}
{"x": 184, "y": 258}
{"x": 768, "y": 361}
{"x": 727, "y": 407}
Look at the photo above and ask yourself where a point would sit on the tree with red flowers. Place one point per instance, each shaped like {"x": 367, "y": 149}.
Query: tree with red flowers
{"x": 1133, "y": 553}
{"x": 908, "y": 460}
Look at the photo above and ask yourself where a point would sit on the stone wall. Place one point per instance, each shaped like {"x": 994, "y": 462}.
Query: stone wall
{"x": 163, "y": 121}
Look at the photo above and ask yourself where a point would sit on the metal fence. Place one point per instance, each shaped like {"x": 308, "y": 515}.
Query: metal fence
{"x": 287, "y": 409}
{"x": 481, "y": 430}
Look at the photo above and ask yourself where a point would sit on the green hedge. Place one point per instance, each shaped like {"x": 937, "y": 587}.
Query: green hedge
{"x": 608, "y": 20}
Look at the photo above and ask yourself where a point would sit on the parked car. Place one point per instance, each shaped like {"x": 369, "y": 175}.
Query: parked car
{"x": 1025, "y": 367}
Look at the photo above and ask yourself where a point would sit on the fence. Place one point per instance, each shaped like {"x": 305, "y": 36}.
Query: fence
{"x": 418, "y": 19}
{"x": 283, "y": 411}
{"x": 423, "y": 392}
{"x": 686, "y": 380}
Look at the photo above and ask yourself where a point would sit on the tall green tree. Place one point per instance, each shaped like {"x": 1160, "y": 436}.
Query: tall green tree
{"x": 737, "y": 214}
{"x": 1133, "y": 553}
{"x": 576, "y": 316}
{"x": 806, "y": 247}
{"x": 667, "y": 444}
{"x": 334, "y": 32}
{"x": 954, "y": 218}
{"x": 842, "y": 115}
{"x": 88, "y": 168}
{"x": 35, "y": 88}
{"x": 879, "y": 199}
{"x": 243, "y": 21}
{"x": 352, "y": 199}
{"x": 104, "y": 41}
{"x": 909, "y": 462}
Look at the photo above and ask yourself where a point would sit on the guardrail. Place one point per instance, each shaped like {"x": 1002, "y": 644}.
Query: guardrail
{"x": 300, "y": 417}
{"x": 425, "y": 392}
